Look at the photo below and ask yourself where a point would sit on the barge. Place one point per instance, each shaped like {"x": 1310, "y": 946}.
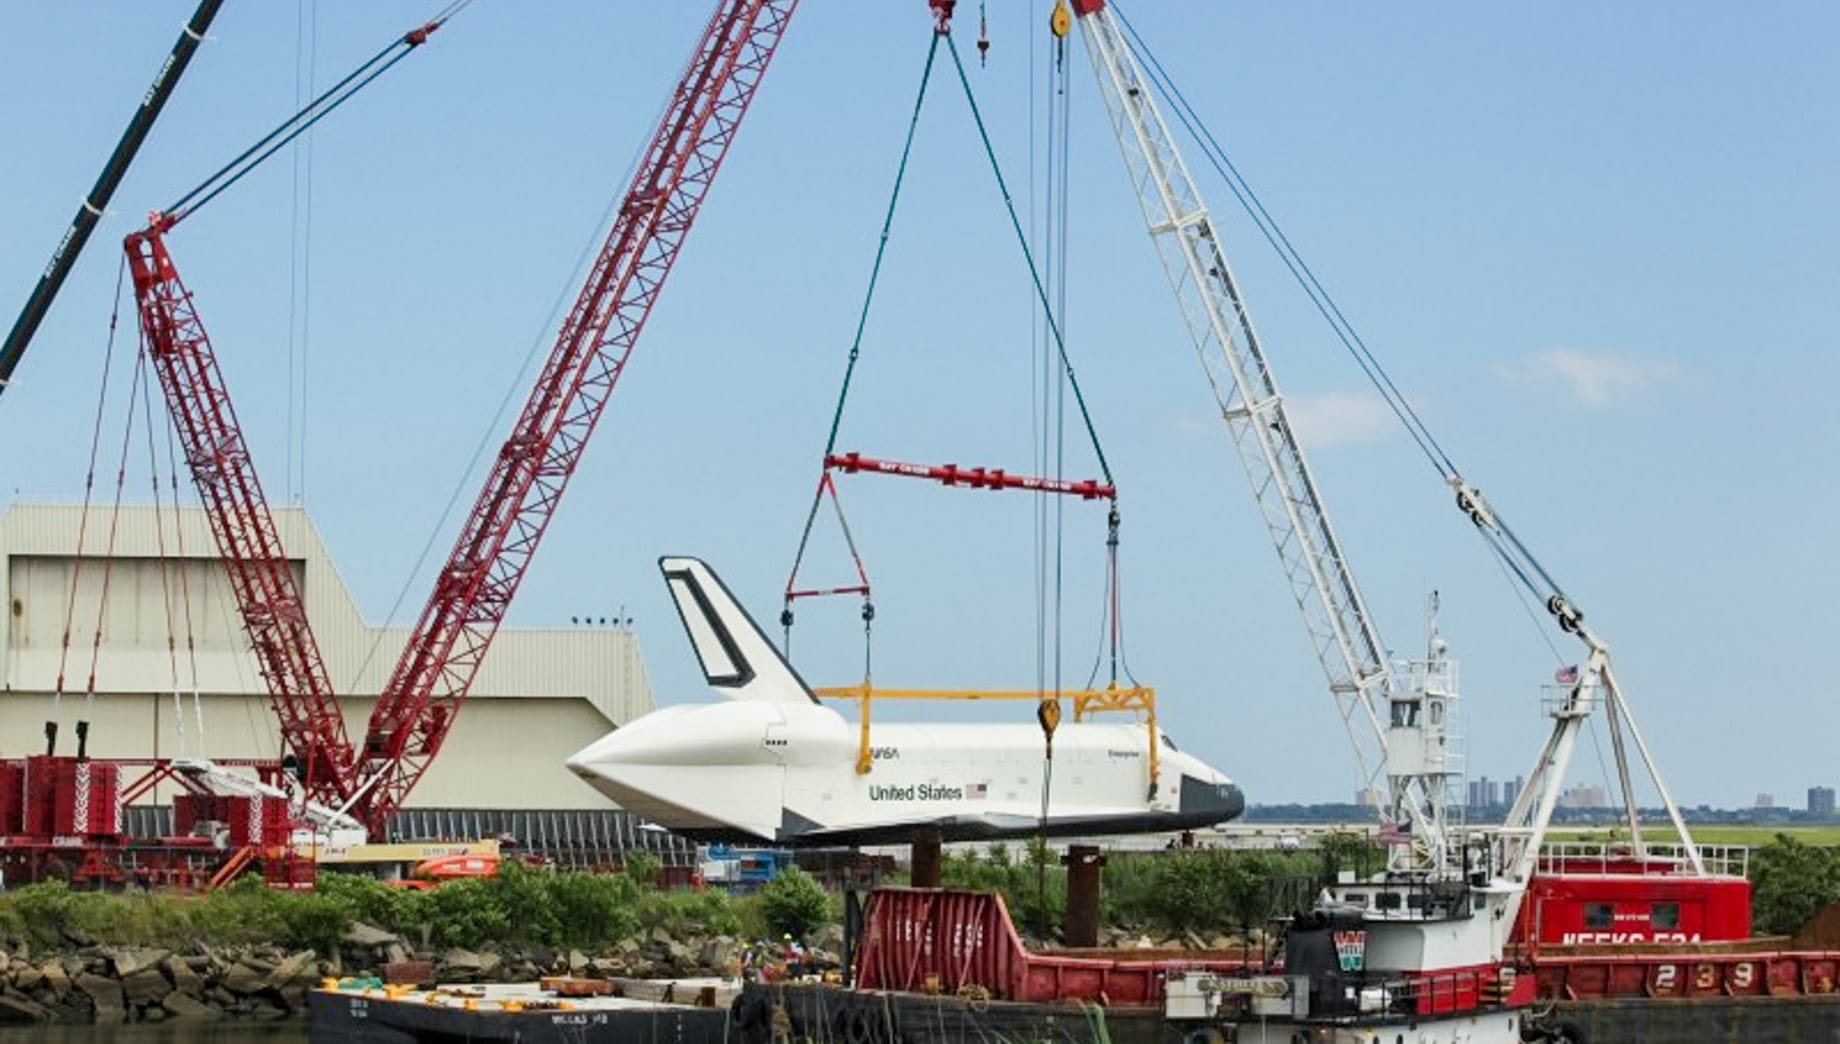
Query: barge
{"x": 559, "y": 1011}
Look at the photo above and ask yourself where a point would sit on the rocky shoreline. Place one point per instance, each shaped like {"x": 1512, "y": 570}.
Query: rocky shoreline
{"x": 83, "y": 984}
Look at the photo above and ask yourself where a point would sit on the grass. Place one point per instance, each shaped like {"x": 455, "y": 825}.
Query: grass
{"x": 1756, "y": 834}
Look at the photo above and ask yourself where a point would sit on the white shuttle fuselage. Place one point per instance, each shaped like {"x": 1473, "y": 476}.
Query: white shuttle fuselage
{"x": 773, "y": 764}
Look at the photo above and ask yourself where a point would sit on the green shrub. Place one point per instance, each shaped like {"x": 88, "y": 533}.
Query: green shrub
{"x": 43, "y": 911}
{"x": 519, "y": 905}
{"x": 1791, "y": 882}
{"x": 683, "y": 913}
{"x": 1019, "y": 877}
{"x": 528, "y": 898}
{"x": 1204, "y": 890}
{"x": 467, "y": 913}
{"x": 593, "y": 910}
{"x": 404, "y": 911}
{"x": 643, "y": 867}
{"x": 1343, "y": 850}
{"x": 794, "y": 902}
{"x": 246, "y": 910}
{"x": 310, "y": 921}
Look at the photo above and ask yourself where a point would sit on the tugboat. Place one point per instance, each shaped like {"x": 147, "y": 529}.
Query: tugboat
{"x": 1417, "y": 952}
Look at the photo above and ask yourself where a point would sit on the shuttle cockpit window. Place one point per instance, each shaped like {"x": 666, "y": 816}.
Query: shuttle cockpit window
{"x": 1167, "y": 742}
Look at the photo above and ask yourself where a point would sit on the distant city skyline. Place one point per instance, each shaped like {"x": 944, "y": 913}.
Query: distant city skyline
{"x": 1821, "y": 800}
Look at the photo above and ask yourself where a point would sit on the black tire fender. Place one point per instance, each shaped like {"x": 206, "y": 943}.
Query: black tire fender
{"x": 865, "y": 1026}
{"x": 751, "y": 1011}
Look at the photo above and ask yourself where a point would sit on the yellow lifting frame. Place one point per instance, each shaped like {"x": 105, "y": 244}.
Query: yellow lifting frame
{"x": 1138, "y": 699}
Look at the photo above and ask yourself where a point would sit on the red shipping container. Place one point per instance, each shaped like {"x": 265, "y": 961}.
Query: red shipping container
{"x": 12, "y": 796}
{"x": 88, "y": 802}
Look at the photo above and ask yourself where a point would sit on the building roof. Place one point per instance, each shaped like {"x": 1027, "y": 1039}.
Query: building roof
{"x": 151, "y": 583}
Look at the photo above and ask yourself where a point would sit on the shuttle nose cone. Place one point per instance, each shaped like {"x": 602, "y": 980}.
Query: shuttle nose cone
{"x": 1223, "y": 800}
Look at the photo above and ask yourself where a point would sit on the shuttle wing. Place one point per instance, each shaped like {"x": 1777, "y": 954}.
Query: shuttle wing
{"x": 737, "y": 658}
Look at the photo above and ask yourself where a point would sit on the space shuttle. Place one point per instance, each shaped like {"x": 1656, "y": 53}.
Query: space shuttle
{"x": 770, "y": 763}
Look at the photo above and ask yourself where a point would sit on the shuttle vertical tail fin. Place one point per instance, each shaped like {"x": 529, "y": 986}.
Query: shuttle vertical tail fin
{"x": 737, "y": 658}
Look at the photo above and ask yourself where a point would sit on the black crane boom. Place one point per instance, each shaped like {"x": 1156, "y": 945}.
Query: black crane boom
{"x": 97, "y": 201}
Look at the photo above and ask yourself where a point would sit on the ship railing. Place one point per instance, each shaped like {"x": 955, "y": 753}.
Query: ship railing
{"x": 1436, "y": 677}
{"x": 1652, "y": 860}
{"x": 1405, "y": 900}
{"x": 1556, "y": 700}
{"x": 1381, "y": 998}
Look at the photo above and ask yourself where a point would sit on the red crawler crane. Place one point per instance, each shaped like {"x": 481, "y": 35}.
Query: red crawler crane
{"x": 475, "y": 587}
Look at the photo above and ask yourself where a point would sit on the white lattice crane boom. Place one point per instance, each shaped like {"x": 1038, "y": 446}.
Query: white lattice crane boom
{"x": 1340, "y": 628}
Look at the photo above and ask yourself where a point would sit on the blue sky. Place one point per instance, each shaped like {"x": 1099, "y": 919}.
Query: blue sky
{"x": 1595, "y": 244}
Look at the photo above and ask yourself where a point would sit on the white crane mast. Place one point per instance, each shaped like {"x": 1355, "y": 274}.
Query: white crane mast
{"x": 1383, "y": 722}
{"x": 1525, "y": 826}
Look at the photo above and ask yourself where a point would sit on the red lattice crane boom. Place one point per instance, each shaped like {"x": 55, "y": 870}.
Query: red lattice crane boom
{"x": 267, "y": 595}
{"x": 475, "y": 587}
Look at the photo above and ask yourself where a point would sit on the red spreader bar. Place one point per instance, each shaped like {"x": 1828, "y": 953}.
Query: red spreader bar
{"x": 975, "y": 478}
{"x": 821, "y": 592}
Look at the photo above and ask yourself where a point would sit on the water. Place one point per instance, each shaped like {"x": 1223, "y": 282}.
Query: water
{"x": 293, "y": 1031}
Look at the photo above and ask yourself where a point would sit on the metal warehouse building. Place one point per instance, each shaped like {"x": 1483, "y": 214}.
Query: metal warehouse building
{"x": 541, "y": 695}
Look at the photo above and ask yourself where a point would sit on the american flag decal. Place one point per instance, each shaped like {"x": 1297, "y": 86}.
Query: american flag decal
{"x": 976, "y": 790}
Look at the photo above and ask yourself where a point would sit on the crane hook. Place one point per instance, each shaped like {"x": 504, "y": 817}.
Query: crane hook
{"x": 983, "y": 42}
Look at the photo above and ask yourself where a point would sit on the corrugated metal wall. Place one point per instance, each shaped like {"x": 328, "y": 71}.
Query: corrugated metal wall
{"x": 144, "y": 607}
{"x": 573, "y": 838}
{"x": 568, "y": 837}
{"x": 541, "y": 694}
